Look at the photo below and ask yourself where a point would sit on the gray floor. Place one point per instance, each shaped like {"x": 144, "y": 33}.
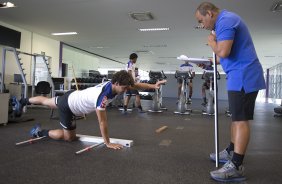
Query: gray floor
{"x": 184, "y": 160}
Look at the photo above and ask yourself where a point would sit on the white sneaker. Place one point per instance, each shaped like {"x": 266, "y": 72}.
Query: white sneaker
{"x": 223, "y": 156}
{"x": 229, "y": 173}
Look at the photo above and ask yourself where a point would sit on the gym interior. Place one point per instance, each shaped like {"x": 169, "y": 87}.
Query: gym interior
{"x": 169, "y": 143}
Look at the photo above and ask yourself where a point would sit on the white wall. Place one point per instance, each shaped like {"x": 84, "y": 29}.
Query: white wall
{"x": 50, "y": 47}
{"x": 81, "y": 61}
{"x": 30, "y": 43}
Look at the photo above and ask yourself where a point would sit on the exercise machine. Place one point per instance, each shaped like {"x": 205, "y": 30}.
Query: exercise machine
{"x": 206, "y": 62}
{"x": 208, "y": 75}
{"x": 157, "y": 103}
{"x": 183, "y": 98}
{"x": 15, "y": 112}
{"x": 278, "y": 111}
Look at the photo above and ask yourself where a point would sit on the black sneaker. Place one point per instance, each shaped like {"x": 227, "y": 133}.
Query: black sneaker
{"x": 204, "y": 104}
{"x": 140, "y": 110}
{"x": 24, "y": 102}
{"x": 189, "y": 101}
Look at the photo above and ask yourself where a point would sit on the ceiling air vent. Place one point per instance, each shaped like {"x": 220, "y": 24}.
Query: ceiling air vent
{"x": 155, "y": 46}
{"x": 144, "y": 52}
{"x": 277, "y": 7}
{"x": 141, "y": 16}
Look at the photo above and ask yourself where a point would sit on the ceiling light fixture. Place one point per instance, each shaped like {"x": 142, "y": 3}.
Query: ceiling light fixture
{"x": 155, "y": 46}
{"x": 7, "y": 5}
{"x": 141, "y": 16}
{"x": 154, "y": 29}
{"x": 144, "y": 52}
{"x": 66, "y": 33}
{"x": 276, "y": 7}
{"x": 98, "y": 47}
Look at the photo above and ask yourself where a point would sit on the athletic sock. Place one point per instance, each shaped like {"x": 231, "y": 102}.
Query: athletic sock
{"x": 237, "y": 159}
{"x": 205, "y": 100}
{"x": 43, "y": 133}
{"x": 230, "y": 147}
{"x": 25, "y": 101}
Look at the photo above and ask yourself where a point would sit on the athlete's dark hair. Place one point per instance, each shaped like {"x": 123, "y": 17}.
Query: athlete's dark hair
{"x": 123, "y": 78}
{"x": 133, "y": 56}
{"x": 205, "y": 6}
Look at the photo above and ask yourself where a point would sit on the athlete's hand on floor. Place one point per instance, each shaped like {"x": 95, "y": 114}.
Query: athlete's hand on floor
{"x": 114, "y": 146}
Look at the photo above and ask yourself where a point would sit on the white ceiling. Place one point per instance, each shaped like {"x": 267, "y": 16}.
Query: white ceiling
{"x": 107, "y": 23}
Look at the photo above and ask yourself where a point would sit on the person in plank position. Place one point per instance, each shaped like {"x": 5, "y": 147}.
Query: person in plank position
{"x": 78, "y": 103}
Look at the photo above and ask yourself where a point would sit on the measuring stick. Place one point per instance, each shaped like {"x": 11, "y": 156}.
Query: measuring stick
{"x": 76, "y": 84}
{"x": 88, "y": 148}
{"x": 163, "y": 128}
{"x": 30, "y": 140}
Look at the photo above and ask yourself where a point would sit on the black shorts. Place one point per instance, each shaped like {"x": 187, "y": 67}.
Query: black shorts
{"x": 179, "y": 80}
{"x": 66, "y": 116}
{"x": 206, "y": 85}
{"x": 242, "y": 105}
{"x": 132, "y": 92}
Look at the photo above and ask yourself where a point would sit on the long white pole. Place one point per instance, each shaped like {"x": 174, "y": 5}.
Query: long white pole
{"x": 30, "y": 140}
{"x": 88, "y": 148}
{"x": 215, "y": 109}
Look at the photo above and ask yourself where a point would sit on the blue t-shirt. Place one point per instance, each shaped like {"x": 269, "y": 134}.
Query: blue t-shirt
{"x": 242, "y": 66}
{"x": 186, "y": 67}
{"x": 106, "y": 95}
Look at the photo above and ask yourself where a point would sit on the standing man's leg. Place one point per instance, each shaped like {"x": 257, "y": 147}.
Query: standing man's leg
{"x": 126, "y": 101}
{"x": 204, "y": 87}
{"x": 138, "y": 102}
{"x": 190, "y": 84}
{"x": 241, "y": 137}
{"x": 179, "y": 81}
{"x": 242, "y": 108}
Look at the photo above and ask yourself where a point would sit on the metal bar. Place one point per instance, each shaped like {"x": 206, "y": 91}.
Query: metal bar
{"x": 21, "y": 70}
{"x": 267, "y": 85}
{"x": 76, "y": 84}
{"x": 33, "y": 76}
{"x": 215, "y": 109}
{"x": 30, "y": 140}
{"x": 88, "y": 148}
{"x": 49, "y": 75}
{"x": 3, "y": 69}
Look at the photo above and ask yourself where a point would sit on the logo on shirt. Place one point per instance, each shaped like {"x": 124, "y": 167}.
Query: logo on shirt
{"x": 104, "y": 102}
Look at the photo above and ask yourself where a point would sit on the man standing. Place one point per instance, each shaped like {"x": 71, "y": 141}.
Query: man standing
{"x": 233, "y": 44}
{"x": 130, "y": 67}
{"x": 187, "y": 67}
